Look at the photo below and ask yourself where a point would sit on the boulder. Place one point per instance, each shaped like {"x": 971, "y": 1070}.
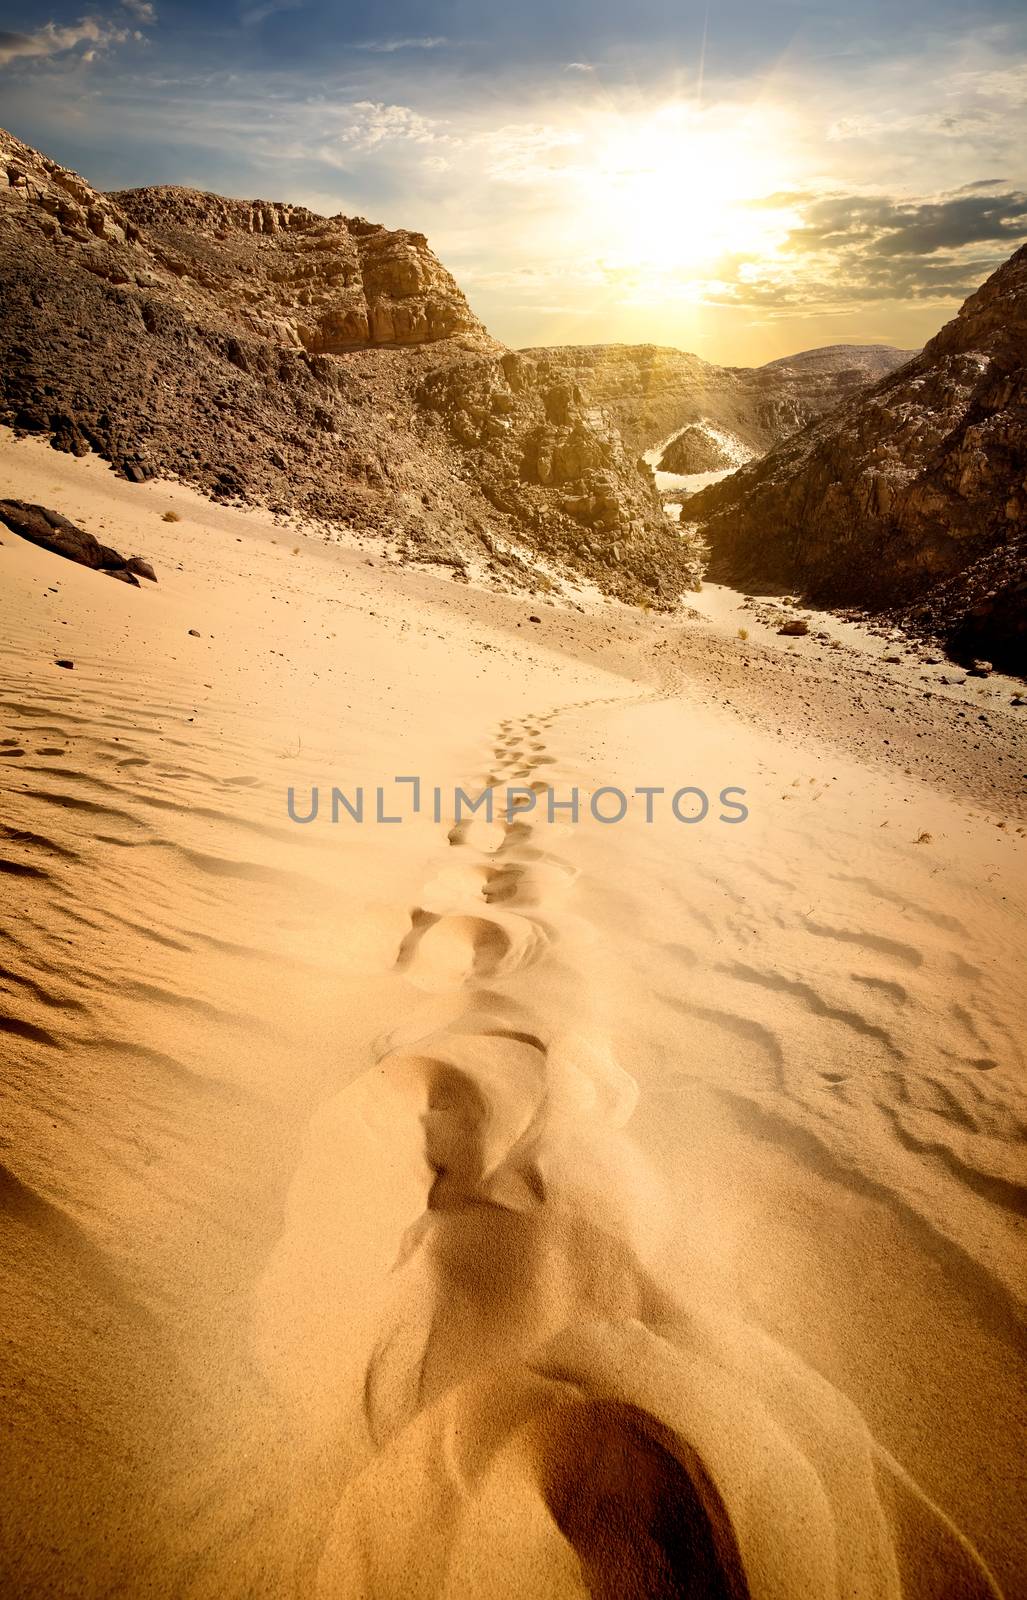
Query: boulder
{"x": 52, "y": 531}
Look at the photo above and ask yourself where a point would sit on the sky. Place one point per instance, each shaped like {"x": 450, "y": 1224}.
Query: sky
{"x": 741, "y": 178}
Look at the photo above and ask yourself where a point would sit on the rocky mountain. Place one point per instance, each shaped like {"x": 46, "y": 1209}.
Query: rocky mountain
{"x": 325, "y": 367}
{"x": 912, "y": 495}
{"x": 652, "y": 392}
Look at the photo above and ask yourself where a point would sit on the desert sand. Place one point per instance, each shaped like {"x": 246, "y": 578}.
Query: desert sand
{"x": 513, "y": 1208}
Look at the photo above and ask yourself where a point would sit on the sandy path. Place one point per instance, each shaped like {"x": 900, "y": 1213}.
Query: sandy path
{"x": 380, "y": 1200}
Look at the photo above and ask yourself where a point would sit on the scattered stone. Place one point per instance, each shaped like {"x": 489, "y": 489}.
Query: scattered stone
{"x": 534, "y": 619}
{"x": 795, "y": 627}
{"x": 62, "y": 661}
{"x": 980, "y": 669}
{"x": 194, "y": 633}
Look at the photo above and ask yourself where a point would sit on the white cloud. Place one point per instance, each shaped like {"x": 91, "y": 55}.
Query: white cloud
{"x": 52, "y": 40}
{"x": 253, "y": 16}
{"x": 387, "y": 47}
{"x": 368, "y": 124}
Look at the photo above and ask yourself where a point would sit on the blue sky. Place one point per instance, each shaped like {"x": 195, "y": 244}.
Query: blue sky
{"x": 737, "y": 178}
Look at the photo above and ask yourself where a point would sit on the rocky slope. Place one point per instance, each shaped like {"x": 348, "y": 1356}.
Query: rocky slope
{"x": 325, "y": 367}
{"x": 652, "y": 392}
{"x": 912, "y": 495}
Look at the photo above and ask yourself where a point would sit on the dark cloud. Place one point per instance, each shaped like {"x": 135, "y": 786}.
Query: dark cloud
{"x": 850, "y": 249}
{"x": 879, "y": 226}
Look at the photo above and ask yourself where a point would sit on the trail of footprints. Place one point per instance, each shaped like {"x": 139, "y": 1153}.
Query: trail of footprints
{"x": 481, "y": 917}
{"x": 489, "y": 1080}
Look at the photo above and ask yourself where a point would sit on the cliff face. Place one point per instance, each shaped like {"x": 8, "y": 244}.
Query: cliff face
{"x": 324, "y": 284}
{"x": 651, "y": 392}
{"x": 913, "y": 495}
{"x": 322, "y": 366}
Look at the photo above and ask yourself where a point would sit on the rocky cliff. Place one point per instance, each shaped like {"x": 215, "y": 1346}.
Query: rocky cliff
{"x": 911, "y": 495}
{"x": 652, "y": 392}
{"x": 325, "y": 367}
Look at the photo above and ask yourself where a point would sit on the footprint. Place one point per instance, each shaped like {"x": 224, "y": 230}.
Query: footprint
{"x": 457, "y": 883}
{"x": 477, "y": 833}
{"x": 462, "y": 948}
{"x": 637, "y": 1505}
{"x": 481, "y": 1098}
{"x": 528, "y": 885}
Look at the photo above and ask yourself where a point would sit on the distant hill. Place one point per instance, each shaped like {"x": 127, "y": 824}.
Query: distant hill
{"x": 653, "y": 392}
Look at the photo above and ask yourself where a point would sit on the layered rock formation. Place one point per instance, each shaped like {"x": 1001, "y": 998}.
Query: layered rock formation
{"x": 652, "y": 392}
{"x": 324, "y": 284}
{"x": 912, "y": 495}
{"x": 319, "y": 366}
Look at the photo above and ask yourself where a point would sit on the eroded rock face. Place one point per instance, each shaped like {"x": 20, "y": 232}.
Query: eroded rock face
{"x": 323, "y": 284}
{"x": 319, "y": 366}
{"x": 651, "y": 392}
{"x": 913, "y": 495}
{"x": 552, "y": 462}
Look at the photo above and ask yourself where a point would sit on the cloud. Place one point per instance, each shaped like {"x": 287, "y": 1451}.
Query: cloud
{"x": 388, "y": 47}
{"x": 368, "y": 124}
{"x": 252, "y": 16}
{"x": 52, "y": 40}
{"x": 877, "y": 226}
{"x": 846, "y": 250}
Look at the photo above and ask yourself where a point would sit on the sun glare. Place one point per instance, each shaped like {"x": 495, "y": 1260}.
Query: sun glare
{"x": 672, "y": 192}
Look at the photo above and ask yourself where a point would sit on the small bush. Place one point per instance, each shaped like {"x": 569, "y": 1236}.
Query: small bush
{"x": 743, "y": 633}
{"x": 171, "y": 516}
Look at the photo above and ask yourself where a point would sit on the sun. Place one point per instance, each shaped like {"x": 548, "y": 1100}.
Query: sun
{"x": 671, "y": 192}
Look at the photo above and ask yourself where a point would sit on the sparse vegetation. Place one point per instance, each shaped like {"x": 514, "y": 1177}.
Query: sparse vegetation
{"x": 743, "y": 633}
{"x": 171, "y": 516}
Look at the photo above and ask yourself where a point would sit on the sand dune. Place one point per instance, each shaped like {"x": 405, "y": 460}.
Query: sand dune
{"x": 483, "y": 1207}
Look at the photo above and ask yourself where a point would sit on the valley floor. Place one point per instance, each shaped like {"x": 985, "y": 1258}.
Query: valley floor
{"x": 512, "y": 1207}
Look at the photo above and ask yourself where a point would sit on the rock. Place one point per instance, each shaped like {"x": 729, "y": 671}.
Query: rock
{"x": 62, "y": 661}
{"x": 141, "y": 567}
{"x": 194, "y": 633}
{"x": 534, "y": 619}
{"x": 907, "y": 498}
{"x": 54, "y": 532}
{"x": 980, "y": 669}
{"x": 695, "y": 449}
{"x": 795, "y": 627}
{"x": 891, "y": 661}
